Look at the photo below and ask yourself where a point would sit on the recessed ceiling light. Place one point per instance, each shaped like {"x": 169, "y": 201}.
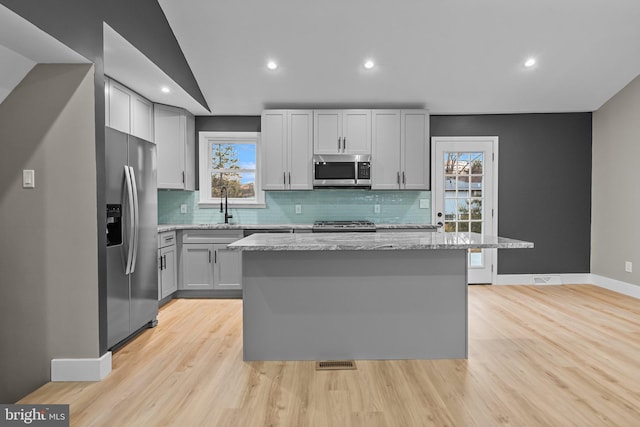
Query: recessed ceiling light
{"x": 272, "y": 65}
{"x": 369, "y": 64}
{"x": 530, "y": 62}
{"x": 165, "y": 89}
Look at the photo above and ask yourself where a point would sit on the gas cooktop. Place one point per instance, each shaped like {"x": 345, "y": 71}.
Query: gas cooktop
{"x": 333, "y": 226}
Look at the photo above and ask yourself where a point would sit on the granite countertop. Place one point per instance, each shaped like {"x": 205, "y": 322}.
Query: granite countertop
{"x": 374, "y": 241}
{"x": 171, "y": 227}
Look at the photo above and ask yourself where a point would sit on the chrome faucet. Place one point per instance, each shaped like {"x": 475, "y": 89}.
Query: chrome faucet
{"x": 226, "y": 205}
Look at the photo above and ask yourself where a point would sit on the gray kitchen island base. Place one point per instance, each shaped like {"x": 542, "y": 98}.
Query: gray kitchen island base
{"x": 364, "y": 304}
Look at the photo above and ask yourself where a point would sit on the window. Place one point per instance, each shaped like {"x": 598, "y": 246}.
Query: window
{"x": 231, "y": 160}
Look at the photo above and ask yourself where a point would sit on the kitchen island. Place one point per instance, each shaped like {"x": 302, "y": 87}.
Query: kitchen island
{"x": 327, "y": 296}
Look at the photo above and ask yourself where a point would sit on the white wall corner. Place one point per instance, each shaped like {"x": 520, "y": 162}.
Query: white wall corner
{"x": 544, "y": 279}
{"x": 616, "y": 285}
{"x": 570, "y": 279}
{"x": 81, "y": 369}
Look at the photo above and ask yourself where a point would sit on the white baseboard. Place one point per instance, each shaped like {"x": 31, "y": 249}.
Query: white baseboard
{"x": 81, "y": 369}
{"x": 543, "y": 279}
{"x": 570, "y": 279}
{"x": 616, "y": 285}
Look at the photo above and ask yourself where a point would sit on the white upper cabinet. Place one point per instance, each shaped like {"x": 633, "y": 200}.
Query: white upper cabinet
{"x": 127, "y": 111}
{"x": 142, "y": 118}
{"x": 415, "y": 153}
{"x": 118, "y": 106}
{"x": 273, "y": 138}
{"x": 400, "y": 150}
{"x": 174, "y": 130}
{"x": 300, "y": 142}
{"x": 342, "y": 132}
{"x": 286, "y": 138}
{"x": 385, "y": 155}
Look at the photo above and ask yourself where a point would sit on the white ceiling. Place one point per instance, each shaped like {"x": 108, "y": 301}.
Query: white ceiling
{"x": 450, "y": 56}
{"x": 23, "y": 45}
{"x": 126, "y": 64}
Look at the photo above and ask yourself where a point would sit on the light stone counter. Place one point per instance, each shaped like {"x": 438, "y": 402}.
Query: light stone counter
{"x": 234, "y": 226}
{"x": 374, "y": 242}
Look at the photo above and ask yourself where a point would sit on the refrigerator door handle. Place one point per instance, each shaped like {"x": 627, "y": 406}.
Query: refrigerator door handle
{"x": 128, "y": 186}
{"x": 136, "y": 219}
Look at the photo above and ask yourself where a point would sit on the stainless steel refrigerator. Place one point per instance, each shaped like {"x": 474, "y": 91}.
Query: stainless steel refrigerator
{"x": 132, "y": 229}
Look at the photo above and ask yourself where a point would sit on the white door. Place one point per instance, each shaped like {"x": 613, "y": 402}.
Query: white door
{"x": 465, "y": 195}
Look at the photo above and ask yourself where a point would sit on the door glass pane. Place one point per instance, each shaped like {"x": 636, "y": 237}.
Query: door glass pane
{"x": 464, "y": 191}
{"x": 477, "y": 164}
{"x": 476, "y": 258}
{"x": 450, "y": 187}
{"x": 449, "y": 209}
{"x": 476, "y": 208}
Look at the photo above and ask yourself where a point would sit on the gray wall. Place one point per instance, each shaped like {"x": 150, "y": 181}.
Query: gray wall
{"x": 79, "y": 25}
{"x": 48, "y": 292}
{"x": 616, "y": 197}
{"x": 544, "y": 186}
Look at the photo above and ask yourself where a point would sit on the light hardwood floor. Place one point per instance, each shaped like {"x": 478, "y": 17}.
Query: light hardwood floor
{"x": 538, "y": 356}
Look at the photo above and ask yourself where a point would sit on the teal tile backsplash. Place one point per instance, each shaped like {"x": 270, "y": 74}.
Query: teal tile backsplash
{"x": 396, "y": 207}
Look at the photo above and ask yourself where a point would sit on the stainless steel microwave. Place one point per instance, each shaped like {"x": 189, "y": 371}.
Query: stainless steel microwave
{"x": 342, "y": 170}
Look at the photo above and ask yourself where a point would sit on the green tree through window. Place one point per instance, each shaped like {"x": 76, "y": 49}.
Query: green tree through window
{"x": 233, "y": 166}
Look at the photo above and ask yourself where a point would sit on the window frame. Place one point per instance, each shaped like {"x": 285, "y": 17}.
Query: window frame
{"x": 205, "y": 139}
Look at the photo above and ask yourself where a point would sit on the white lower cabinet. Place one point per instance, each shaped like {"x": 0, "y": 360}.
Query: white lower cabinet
{"x": 167, "y": 264}
{"x": 206, "y": 262}
{"x": 197, "y": 268}
{"x": 227, "y": 271}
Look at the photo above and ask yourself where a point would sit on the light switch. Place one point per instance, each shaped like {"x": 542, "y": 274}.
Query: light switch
{"x": 376, "y": 208}
{"x": 298, "y": 209}
{"x": 28, "y": 178}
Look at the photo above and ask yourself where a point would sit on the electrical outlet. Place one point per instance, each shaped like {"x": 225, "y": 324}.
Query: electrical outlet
{"x": 298, "y": 209}
{"x": 376, "y": 208}
{"x": 628, "y": 266}
{"x": 424, "y": 204}
{"x": 183, "y": 208}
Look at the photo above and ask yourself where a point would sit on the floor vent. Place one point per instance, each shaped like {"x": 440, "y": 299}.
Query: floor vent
{"x": 547, "y": 280}
{"x": 332, "y": 365}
